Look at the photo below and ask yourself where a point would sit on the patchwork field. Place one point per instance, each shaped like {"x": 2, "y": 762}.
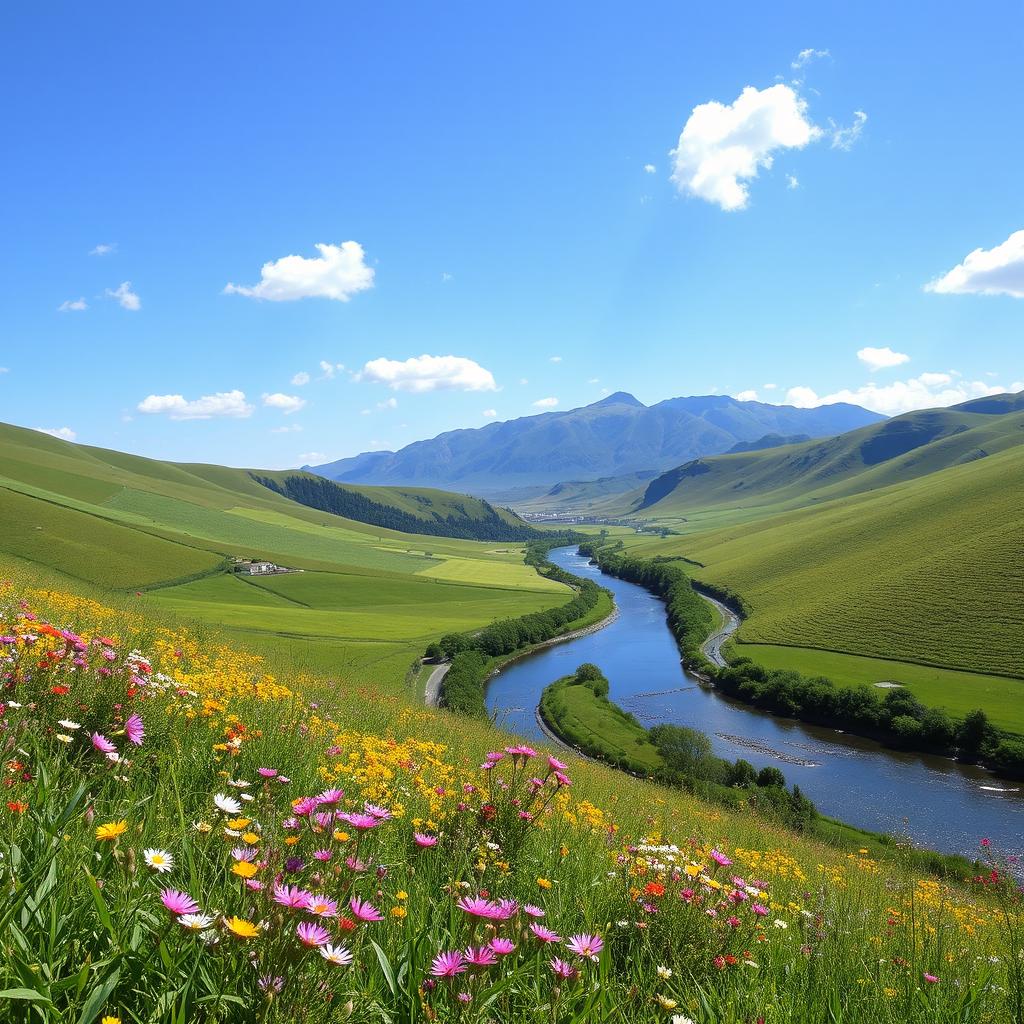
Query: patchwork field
{"x": 365, "y": 604}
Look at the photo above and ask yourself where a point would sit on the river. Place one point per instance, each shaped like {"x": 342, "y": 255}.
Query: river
{"x": 943, "y": 805}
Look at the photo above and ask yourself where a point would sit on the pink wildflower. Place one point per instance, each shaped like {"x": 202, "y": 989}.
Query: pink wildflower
{"x": 364, "y": 911}
{"x": 720, "y": 858}
{"x": 134, "y": 730}
{"x": 477, "y": 906}
{"x": 563, "y": 970}
{"x": 586, "y": 946}
{"x": 310, "y": 934}
{"x": 545, "y": 934}
{"x": 102, "y": 744}
{"x": 357, "y": 820}
{"x": 329, "y": 797}
{"x": 322, "y": 906}
{"x": 482, "y": 956}
{"x": 502, "y": 946}
{"x": 424, "y": 840}
{"x": 291, "y": 896}
{"x": 532, "y": 911}
{"x": 178, "y": 902}
{"x": 447, "y": 965}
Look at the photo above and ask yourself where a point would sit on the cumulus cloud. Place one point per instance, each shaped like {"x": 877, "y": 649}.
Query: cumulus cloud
{"x": 998, "y": 271}
{"x": 792, "y": 181}
{"x": 881, "y": 358}
{"x": 388, "y": 403}
{"x": 746, "y": 396}
{"x": 330, "y": 369}
{"x": 490, "y": 414}
{"x": 126, "y": 298}
{"x": 545, "y": 403}
{"x": 103, "y": 249}
{"x": 845, "y": 137}
{"x": 286, "y": 403}
{"x": 339, "y": 272}
{"x": 804, "y": 57}
{"x": 223, "y": 403}
{"x": 292, "y": 428}
{"x": 429, "y": 373}
{"x": 555, "y": 359}
{"x": 926, "y": 391}
{"x": 650, "y": 169}
{"x": 64, "y": 433}
{"x": 300, "y": 379}
{"x": 594, "y": 380}
{"x": 722, "y": 146}
{"x": 73, "y": 306}
{"x": 312, "y": 458}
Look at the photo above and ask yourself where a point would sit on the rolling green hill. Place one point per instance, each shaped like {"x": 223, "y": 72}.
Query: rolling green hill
{"x": 927, "y": 571}
{"x": 903, "y": 448}
{"x": 366, "y": 602}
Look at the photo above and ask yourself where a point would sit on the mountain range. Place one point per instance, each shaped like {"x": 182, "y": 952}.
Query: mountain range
{"x": 616, "y": 436}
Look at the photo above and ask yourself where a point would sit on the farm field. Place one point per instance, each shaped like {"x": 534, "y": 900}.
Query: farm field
{"x": 365, "y": 605}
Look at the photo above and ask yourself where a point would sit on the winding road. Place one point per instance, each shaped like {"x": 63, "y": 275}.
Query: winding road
{"x": 712, "y": 647}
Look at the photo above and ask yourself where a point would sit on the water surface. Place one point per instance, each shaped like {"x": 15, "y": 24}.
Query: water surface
{"x": 942, "y": 804}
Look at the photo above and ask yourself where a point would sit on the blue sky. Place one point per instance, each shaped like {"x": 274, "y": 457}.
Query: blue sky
{"x": 518, "y": 197}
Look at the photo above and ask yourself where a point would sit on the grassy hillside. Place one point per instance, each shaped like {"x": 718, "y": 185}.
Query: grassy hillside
{"x": 926, "y": 571}
{"x": 333, "y": 840}
{"x": 904, "y": 448}
{"x": 365, "y": 605}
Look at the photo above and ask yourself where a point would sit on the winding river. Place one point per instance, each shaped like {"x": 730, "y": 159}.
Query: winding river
{"x": 943, "y": 805}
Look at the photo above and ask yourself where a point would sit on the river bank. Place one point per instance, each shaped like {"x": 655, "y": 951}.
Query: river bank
{"x": 938, "y": 802}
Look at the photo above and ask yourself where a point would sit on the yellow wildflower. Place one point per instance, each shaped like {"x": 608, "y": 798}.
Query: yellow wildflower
{"x": 111, "y": 830}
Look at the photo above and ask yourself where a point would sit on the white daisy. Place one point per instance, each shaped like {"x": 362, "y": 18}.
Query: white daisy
{"x": 227, "y": 804}
{"x": 664, "y": 972}
{"x": 338, "y": 955}
{"x": 66, "y": 723}
{"x": 64, "y": 737}
{"x": 195, "y": 922}
{"x": 158, "y": 860}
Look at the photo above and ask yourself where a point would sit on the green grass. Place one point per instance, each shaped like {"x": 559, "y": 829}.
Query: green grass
{"x": 368, "y": 603}
{"x": 927, "y": 571}
{"x": 598, "y": 727}
{"x": 958, "y": 692}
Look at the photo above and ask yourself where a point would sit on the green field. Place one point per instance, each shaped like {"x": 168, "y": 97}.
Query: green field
{"x": 365, "y": 604}
{"x": 958, "y": 692}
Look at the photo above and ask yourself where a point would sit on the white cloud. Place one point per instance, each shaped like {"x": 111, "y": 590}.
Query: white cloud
{"x": 64, "y": 433}
{"x": 844, "y": 138}
{"x": 769, "y": 387}
{"x": 300, "y": 379}
{"x": 286, "y": 403}
{"x": 292, "y": 428}
{"x": 523, "y": 380}
{"x": 926, "y": 391}
{"x": 330, "y": 369}
{"x": 429, "y": 373}
{"x": 73, "y": 306}
{"x": 4, "y": 369}
{"x": 125, "y": 296}
{"x": 881, "y": 358}
{"x": 446, "y": 277}
{"x": 804, "y": 57}
{"x": 388, "y": 403}
{"x": 339, "y": 272}
{"x": 489, "y": 414}
{"x": 998, "y": 271}
{"x": 650, "y": 168}
{"x": 223, "y": 403}
{"x": 103, "y": 249}
{"x": 309, "y": 458}
{"x": 723, "y": 145}
{"x": 792, "y": 181}
{"x": 594, "y": 380}
{"x": 555, "y": 359}
{"x": 746, "y": 396}
{"x": 545, "y": 403}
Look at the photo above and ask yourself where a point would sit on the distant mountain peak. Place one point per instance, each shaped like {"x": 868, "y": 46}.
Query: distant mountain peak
{"x": 619, "y": 398}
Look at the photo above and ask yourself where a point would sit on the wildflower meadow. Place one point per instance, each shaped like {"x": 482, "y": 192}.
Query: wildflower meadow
{"x": 187, "y": 835}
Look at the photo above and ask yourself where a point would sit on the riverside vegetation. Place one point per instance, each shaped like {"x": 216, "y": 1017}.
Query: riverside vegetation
{"x": 898, "y": 718}
{"x": 188, "y": 835}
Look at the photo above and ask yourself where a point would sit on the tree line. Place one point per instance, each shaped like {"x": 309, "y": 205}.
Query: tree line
{"x": 329, "y": 496}
{"x": 897, "y": 719}
{"x": 472, "y": 655}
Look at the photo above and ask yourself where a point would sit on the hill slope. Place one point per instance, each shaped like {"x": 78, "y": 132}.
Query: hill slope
{"x": 903, "y": 448}
{"x": 615, "y": 436}
{"x": 929, "y": 570}
{"x": 368, "y": 597}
